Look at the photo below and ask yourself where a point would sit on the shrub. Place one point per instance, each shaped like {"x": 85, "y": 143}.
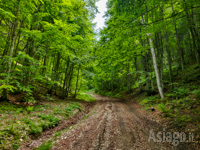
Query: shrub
{"x": 86, "y": 97}
{"x": 71, "y": 107}
{"x": 53, "y": 121}
{"x": 164, "y": 109}
{"x": 197, "y": 93}
{"x": 57, "y": 110}
{"x": 30, "y": 109}
{"x": 180, "y": 92}
{"x": 34, "y": 129}
{"x": 49, "y": 98}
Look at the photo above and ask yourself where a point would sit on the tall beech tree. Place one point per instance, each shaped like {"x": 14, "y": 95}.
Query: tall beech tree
{"x": 151, "y": 37}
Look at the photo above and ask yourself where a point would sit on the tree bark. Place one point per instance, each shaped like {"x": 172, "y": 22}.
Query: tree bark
{"x": 14, "y": 36}
{"x": 77, "y": 79}
{"x": 178, "y": 42}
{"x": 66, "y": 78}
{"x": 160, "y": 89}
{"x": 70, "y": 79}
{"x": 169, "y": 59}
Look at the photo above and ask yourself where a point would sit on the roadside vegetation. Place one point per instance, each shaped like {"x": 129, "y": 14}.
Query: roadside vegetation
{"x": 21, "y": 124}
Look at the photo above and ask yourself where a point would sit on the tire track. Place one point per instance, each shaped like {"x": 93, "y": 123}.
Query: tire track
{"x": 113, "y": 125}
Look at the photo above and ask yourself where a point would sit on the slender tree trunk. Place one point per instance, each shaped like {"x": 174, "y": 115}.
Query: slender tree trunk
{"x": 160, "y": 89}
{"x": 169, "y": 59}
{"x": 70, "y": 79}
{"x": 194, "y": 33}
{"x": 128, "y": 77}
{"x": 15, "y": 24}
{"x": 7, "y": 43}
{"x": 192, "y": 49}
{"x": 161, "y": 60}
{"x": 178, "y": 42}
{"x": 56, "y": 71}
{"x": 77, "y": 79}
{"x": 158, "y": 45}
{"x": 137, "y": 77}
{"x": 66, "y": 78}
{"x": 54, "y": 76}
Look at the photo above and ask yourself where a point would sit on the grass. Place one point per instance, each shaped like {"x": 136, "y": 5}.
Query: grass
{"x": 21, "y": 124}
{"x": 86, "y": 97}
{"x": 46, "y": 146}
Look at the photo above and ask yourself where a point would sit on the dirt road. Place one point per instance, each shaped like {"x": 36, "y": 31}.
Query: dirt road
{"x": 112, "y": 125}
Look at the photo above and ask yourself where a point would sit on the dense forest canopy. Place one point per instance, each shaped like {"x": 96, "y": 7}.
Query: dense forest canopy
{"x": 146, "y": 43}
{"x": 45, "y": 41}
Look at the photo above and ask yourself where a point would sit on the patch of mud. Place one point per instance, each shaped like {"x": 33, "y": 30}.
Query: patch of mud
{"x": 115, "y": 125}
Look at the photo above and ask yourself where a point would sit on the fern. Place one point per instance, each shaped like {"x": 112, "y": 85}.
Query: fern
{"x": 8, "y": 88}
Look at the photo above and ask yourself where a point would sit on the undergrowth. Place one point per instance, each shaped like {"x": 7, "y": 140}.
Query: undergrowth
{"x": 182, "y": 107}
{"x": 86, "y": 97}
{"x": 21, "y": 124}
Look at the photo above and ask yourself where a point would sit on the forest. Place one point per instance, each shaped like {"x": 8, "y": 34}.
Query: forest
{"x": 53, "y": 63}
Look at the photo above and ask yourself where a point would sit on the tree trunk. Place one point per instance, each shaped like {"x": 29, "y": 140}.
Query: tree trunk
{"x": 13, "y": 39}
{"x": 155, "y": 66}
{"x": 178, "y": 42}
{"x": 70, "y": 79}
{"x": 169, "y": 59}
{"x": 65, "y": 79}
{"x": 160, "y": 89}
{"x": 77, "y": 82}
{"x": 128, "y": 77}
{"x": 194, "y": 33}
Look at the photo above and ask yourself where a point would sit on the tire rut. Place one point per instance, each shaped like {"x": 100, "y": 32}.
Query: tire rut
{"x": 113, "y": 125}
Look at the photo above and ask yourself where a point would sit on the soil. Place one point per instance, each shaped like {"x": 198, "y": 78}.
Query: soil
{"x": 114, "y": 125}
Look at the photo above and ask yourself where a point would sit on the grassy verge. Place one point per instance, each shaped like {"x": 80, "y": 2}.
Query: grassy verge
{"x": 21, "y": 124}
{"x": 180, "y": 109}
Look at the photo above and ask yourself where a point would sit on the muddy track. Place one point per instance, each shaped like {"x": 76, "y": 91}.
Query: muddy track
{"x": 113, "y": 125}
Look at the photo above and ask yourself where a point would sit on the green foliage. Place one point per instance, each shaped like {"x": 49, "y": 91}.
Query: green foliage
{"x": 29, "y": 109}
{"x": 11, "y": 129}
{"x": 150, "y": 101}
{"x": 8, "y": 88}
{"x": 53, "y": 121}
{"x": 17, "y": 126}
{"x": 180, "y": 92}
{"x": 72, "y": 107}
{"x": 197, "y": 93}
{"x": 181, "y": 120}
{"x": 145, "y": 101}
{"x": 49, "y": 98}
{"x": 43, "y": 32}
{"x": 19, "y": 110}
{"x": 86, "y": 97}
{"x": 46, "y": 146}
{"x": 164, "y": 109}
{"x": 34, "y": 129}
{"x": 57, "y": 110}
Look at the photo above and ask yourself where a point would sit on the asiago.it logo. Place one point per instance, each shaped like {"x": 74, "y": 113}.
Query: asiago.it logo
{"x": 171, "y": 137}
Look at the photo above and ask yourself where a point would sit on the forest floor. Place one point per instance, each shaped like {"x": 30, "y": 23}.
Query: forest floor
{"x": 113, "y": 124}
